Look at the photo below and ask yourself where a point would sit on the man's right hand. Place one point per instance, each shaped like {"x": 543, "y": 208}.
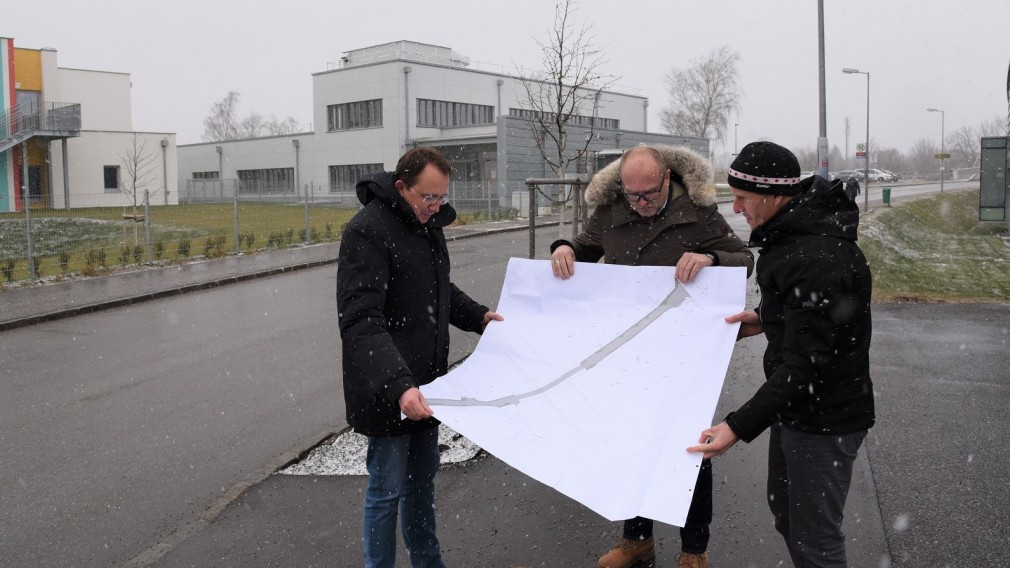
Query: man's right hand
{"x": 750, "y": 323}
{"x": 413, "y": 405}
{"x": 563, "y": 262}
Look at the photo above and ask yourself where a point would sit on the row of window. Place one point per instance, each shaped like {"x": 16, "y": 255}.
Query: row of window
{"x": 266, "y": 180}
{"x": 446, "y": 114}
{"x": 443, "y": 114}
{"x": 576, "y": 120}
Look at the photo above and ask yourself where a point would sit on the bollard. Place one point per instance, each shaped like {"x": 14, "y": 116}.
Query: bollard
{"x": 886, "y": 196}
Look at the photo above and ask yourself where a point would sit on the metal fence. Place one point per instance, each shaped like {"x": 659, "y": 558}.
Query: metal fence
{"x": 42, "y": 242}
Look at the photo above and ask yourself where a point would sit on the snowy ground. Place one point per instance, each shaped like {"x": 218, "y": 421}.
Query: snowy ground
{"x": 346, "y": 454}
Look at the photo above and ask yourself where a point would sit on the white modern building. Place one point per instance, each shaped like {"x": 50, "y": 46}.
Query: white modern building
{"x": 379, "y": 101}
{"x": 67, "y": 139}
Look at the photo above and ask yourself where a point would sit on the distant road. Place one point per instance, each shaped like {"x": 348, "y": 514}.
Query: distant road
{"x": 904, "y": 190}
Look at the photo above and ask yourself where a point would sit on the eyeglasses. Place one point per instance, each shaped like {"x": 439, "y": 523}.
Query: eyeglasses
{"x": 648, "y": 196}
{"x": 430, "y": 199}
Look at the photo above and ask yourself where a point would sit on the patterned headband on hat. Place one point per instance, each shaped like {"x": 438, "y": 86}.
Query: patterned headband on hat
{"x": 766, "y": 167}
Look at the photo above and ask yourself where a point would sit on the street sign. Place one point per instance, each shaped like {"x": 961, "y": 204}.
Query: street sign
{"x": 944, "y": 156}
{"x": 860, "y": 148}
{"x": 860, "y": 154}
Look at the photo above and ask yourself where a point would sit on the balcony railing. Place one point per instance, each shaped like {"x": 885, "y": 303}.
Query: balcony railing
{"x": 30, "y": 117}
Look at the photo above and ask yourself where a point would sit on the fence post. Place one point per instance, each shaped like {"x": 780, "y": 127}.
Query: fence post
{"x": 306, "y": 214}
{"x": 147, "y": 222}
{"x": 234, "y": 200}
{"x": 533, "y": 221}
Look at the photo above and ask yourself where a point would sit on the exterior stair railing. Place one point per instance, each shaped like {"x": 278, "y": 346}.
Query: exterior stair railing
{"x": 21, "y": 122}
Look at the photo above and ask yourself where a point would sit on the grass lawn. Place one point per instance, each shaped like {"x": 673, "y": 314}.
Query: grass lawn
{"x": 936, "y": 249}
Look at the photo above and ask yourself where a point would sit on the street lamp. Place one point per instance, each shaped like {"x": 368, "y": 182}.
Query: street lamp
{"x": 866, "y": 171}
{"x": 943, "y": 155}
{"x": 735, "y": 125}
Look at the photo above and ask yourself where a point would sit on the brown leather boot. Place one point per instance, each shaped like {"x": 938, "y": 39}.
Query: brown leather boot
{"x": 630, "y": 553}
{"x": 688, "y": 560}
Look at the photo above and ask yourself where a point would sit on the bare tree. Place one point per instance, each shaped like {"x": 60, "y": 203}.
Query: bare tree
{"x": 703, "y": 96}
{"x": 222, "y": 122}
{"x": 964, "y": 145}
{"x": 922, "y": 158}
{"x": 565, "y": 94}
{"x": 807, "y": 157}
{"x": 140, "y": 171}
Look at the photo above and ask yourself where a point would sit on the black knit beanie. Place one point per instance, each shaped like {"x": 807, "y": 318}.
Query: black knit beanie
{"x": 765, "y": 167}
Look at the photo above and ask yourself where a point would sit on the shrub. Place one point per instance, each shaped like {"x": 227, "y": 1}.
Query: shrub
{"x": 124, "y": 255}
{"x": 101, "y": 257}
{"x": 290, "y": 236}
{"x": 208, "y": 246}
{"x": 8, "y": 269}
{"x": 138, "y": 253}
{"x": 64, "y": 262}
{"x": 183, "y": 248}
{"x": 314, "y": 234}
{"x": 37, "y": 261}
{"x": 219, "y": 244}
{"x": 328, "y": 231}
{"x": 159, "y": 250}
{"x": 250, "y": 238}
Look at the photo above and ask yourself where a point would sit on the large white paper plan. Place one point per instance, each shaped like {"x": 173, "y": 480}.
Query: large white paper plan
{"x": 596, "y": 385}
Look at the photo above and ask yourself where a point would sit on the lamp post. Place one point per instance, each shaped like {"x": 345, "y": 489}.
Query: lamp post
{"x": 735, "y": 125}
{"x": 943, "y": 154}
{"x": 164, "y": 168}
{"x": 866, "y": 170}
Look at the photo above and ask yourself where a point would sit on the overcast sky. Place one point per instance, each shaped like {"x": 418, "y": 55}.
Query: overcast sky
{"x": 185, "y": 55}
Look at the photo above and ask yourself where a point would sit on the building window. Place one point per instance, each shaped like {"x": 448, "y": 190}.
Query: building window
{"x": 445, "y": 114}
{"x": 344, "y": 178}
{"x": 111, "y": 174}
{"x": 273, "y": 180}
{"x": 576, "y": 120}
{"x": 347, "y": 116}
{"x": 206, "y": 175}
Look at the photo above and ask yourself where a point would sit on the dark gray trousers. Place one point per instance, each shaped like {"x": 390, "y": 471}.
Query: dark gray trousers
{"x": 808, "y": 482}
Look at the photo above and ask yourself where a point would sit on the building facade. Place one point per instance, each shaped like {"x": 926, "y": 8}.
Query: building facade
{"x": 379, "y": 101}
{"x": 67, "y": 140}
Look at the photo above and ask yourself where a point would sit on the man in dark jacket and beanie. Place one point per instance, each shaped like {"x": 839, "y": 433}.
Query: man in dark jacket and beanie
{"x": 817, "y": 399}
{"x": 656, "y": 207}
{"x": 395, "y": 303}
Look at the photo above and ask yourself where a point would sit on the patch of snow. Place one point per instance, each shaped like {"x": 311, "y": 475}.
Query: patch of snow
{"x": 345, "y": 455}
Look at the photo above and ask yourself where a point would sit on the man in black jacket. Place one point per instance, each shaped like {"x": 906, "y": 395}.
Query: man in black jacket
{"x": 395, "y": 303}
{"x": 815, "y": 312}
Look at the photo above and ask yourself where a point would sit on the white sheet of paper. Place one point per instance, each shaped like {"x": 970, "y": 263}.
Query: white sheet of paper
{"x": 594, "y": 387}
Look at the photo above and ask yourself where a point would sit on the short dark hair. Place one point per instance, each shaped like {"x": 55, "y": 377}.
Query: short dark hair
{"x": 415, "y": 160}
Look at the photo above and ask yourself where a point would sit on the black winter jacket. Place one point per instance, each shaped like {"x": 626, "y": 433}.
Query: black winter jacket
{"x": 395, "y": 303}
{"x": 815, "y": 309}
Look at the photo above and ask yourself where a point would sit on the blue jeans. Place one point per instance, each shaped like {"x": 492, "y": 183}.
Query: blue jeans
{"x": 808, "y": 481}
{"x": 401, "y": 475}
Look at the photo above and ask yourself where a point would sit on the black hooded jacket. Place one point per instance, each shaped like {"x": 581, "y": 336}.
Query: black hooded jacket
{"x": 815, "y": 309}
{"x": 395, "y": 303}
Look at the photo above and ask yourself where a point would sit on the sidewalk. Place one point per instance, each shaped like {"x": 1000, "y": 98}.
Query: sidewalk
{"x": 36, "y": 304}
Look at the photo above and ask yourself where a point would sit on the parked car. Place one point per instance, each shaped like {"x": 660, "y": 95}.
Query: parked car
{"x": 894, "y": 176}
{"x": 846, "y": 175}
{"x": 881, "y": 175}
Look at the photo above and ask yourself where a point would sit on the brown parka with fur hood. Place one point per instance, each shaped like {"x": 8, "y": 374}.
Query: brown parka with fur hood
{"x": 690, "y": 222}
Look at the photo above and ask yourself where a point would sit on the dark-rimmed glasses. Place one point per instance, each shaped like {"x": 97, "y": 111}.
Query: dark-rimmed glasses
{"x": 648, "y": 196}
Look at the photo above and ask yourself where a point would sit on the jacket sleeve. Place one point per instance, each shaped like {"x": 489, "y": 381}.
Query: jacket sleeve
{"x": 464, "y": 312}
{"x": 588, "y": 245}
{"x": 369, "y": 355}
{"x": 725, "y": 244}
{"x": 809, "y": 336}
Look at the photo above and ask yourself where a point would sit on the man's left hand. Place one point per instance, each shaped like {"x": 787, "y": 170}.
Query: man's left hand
{"x": 715, "y": 441}
{"x": 690, "y": 264}
{"x": 490, "y": 317}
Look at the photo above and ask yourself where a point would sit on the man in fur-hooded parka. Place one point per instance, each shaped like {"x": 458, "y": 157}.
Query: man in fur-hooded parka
{"x": 656, "y": 207}
{"x": 688, "y": 222}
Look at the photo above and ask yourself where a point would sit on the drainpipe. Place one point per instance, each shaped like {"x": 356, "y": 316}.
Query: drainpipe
{"x": 66, "y": 175}
{"x": 406, "y": 107}
{"x": 500, "y": 83}
{"x": 164, "y": 169}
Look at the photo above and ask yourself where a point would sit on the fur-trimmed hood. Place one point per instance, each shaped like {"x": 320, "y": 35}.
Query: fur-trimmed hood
{"x": 699, "y": 178}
